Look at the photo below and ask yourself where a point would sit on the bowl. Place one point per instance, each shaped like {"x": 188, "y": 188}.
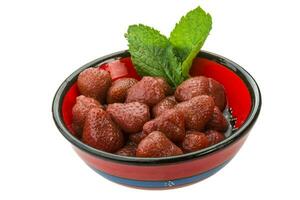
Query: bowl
{"x": 244, "y": 103}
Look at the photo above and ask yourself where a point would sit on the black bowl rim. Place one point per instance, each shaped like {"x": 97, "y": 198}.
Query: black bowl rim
{"x": 239, "y": 133}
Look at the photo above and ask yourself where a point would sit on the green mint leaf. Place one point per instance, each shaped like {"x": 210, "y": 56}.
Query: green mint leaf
{"x": 189, "y": 36}
{"x": 173, "y": 67}
{"x": 152, "y": 54}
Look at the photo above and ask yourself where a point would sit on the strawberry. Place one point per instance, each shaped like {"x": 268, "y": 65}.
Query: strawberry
{"x": 165, "y": 104}
{"x": 217, "y": 91}
{"x": 194, "y": 141}
{"x": 214, "y": 137}
{"x": 137, "y": 137}
{"x": 156, "y": 144}
{"x": 118, "y": 91}
{"x": 129, "y": 116}
{"x": 197, "y": 111}
{"x": 192, "y": 87}
{"x": 201, "y": 85}
{"x": 217, "y": 122}
{"x": 101, "y": 132}
{"x": 166, "y": 87}
{"x": 80, "y": 110}
{"x": 94, "y": 82}
{"x": 171, "y": 123}
{"x": 128, "y": 150}
{"x": 148, "y": 91}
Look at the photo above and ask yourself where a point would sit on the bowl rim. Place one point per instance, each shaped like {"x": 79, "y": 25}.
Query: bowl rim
{"x": 239, "y": 133}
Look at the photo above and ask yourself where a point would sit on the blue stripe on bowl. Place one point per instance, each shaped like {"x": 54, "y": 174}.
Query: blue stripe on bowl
{"x": 161, "y": 184}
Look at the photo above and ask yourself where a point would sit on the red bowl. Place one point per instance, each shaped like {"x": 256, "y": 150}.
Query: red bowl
{"x": 244, "y": 100}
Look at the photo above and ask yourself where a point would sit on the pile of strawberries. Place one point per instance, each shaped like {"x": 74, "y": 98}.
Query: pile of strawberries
{"x": 147, "y": 118}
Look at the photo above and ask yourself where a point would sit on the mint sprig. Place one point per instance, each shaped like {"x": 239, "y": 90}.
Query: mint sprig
{"x": 155, "y": 55}
{"x": 152, "y": 54}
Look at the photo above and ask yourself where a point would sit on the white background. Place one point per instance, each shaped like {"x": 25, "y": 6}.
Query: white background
{"x": 42, "y": 42}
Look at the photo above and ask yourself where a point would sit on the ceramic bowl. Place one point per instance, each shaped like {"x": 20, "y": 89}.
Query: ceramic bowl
{"x": 244, "y": 103}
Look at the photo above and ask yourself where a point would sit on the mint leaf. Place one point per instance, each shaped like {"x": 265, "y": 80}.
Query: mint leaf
{"x": 152, "y": 54}
{"x": 189, "y": 36}
{"x": 173, "y": 67}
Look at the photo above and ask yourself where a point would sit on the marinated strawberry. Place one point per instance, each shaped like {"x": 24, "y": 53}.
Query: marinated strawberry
{"x": 201, "y": 85}
{"x": 128, "y": 150}
{"x": 118, "y": 91}
{"x": 197, "y": 111}
{"x": 167, "y": 88}
{"x": 148, "y": 91}
{"x": 171, "y": 123}
{"x": 164, "y": 105}
{"x": 214, "y": 137}
{"x": 156, "y": 144}
{"x": 94, "y": 82}
{"x": 194, "y": 141}
{"x": 101, "y": 132}
{"x": 217, "y": 122}
{"x": 129, "y": 116}
{"x": 80, "y": 110}
{"x": 137, "y": 137}
{"x": 217, "y": 91}
{"x": 192, "y": 87}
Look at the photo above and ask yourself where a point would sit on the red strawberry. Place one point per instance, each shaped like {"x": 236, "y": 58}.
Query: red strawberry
{"x": 156, "y": 144}
{"x": 197, "y": 111}
{"x": 167, "y": 88}
{"x": 101, "y": 132}
{"x": 80, "y": 110}
{"x": 194, "y": 141}
{"x": 165, "y": 104}
{"x": 128, "y": 150}
{"x": 129, "y": 116}
{"x": 217, "y": 91}
{"x": 201, "y": 85}
{"x": 217, "y": 122}
{"x": 94, "y": 82}
{"x": 148, "y": 91}
{"x": 137, "y": 137}
{"x": 192, "y": 87}
{"x": 214, "y": 137}
{"x": 171, "y": 123}
{"x": 118, "y": 91}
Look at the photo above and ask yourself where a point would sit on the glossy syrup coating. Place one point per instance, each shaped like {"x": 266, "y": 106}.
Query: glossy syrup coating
{"x": 137, "y": 137}
{"x": 164, "y": 105}
{"x": 94, "y": 82}
{"x": 197, "y": 111}
{"x": 214, "y": 137}
{"x": 80, "y": 110}
{"x": 194, "y": 141}
{"x": 148, "y": 91}
{"x": 155, "y": 145}
{"x": 171, "y": 123}
{"x": 129, "y": 116}
{"x": 101, "y": 132}
{"x": 118, "y": 91}
{"x": 128, "y": 150}
{"x": 217, "y": 122}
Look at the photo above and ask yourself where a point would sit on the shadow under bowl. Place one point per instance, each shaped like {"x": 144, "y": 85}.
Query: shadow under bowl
{"x": 244, "y": 100}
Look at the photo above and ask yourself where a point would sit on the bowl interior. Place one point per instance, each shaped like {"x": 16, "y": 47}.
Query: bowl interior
{"x": 238, "y": 95}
